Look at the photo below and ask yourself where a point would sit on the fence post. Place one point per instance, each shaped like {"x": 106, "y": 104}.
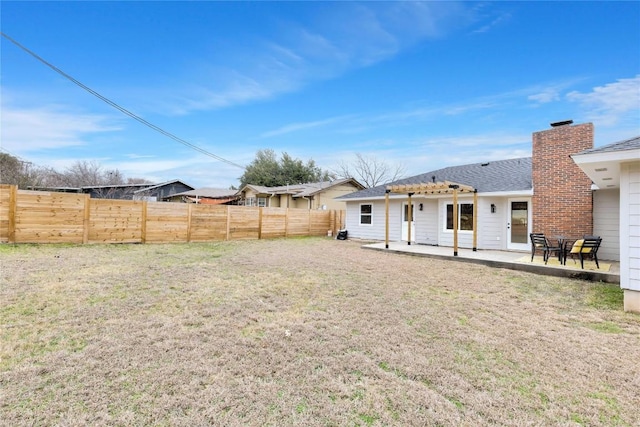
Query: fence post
{"x": 286, "y": 222}
{"x": 86, "y": 220}
{"x": 260, "y": 222}
{"x": 143, "y": 225}
{"x": 189, "y": 212}
{"x": 228, "y": 222}
{"x": 13, "y": 209}
{"x": 332, "y": 221}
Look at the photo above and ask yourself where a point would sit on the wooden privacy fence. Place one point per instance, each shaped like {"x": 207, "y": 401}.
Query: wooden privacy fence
{"x": 50, "y": 217}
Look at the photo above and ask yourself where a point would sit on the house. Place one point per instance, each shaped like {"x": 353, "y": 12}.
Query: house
{"x": 206, "y": 196}
{"x": 315, "y": 195}
{"x": 147, "y": 191}
{"x": 499, "y": 203}
{"x": 615, "y": 172}
{"x": 160, "y": 191}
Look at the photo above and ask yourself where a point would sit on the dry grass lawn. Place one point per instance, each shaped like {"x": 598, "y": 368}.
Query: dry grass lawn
{"x": 310, "y": 332}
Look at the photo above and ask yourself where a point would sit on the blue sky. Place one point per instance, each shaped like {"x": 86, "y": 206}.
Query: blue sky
{"x": 419, "y": 84}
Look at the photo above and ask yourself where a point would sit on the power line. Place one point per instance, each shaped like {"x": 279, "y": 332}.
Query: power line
{"x": 121, "y": 109}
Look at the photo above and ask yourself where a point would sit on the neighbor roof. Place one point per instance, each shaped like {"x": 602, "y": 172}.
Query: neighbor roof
{"x": 302, "y": 190}
{"x": 154, "y": 186}
{"x": 496, "y": 176}
{"x": 212, "y": 193}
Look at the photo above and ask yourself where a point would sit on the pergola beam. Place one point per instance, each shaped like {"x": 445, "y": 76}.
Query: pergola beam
{"x": 430, "y": 188}
{"x": 433, "y": 188}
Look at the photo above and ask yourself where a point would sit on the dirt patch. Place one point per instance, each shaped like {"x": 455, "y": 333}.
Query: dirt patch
{"x": 309, "y": 332}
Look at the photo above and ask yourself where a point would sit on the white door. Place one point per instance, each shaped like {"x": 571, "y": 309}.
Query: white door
{"x": 405, "y": 221}
{"x": 518, "y": 224}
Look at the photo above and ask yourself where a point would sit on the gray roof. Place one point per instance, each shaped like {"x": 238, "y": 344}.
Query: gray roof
{"x": 496, "y": 176}
{"x": 302, "y": 190}
{"x": 154, "y": 186}
{"x": 212, "y": 193}
{"x": 627, "y": 144}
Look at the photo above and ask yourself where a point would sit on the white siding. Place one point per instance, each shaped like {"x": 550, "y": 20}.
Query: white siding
{"x": 430, "y": 222}
{"x": 492, "y": 226}
{"x": 465, "y": 238}
{"x": 606, "y": 222}
{"x": 427, "y": 222}
{"x": 630, "y": 226}
{"x": 374, "y": 231}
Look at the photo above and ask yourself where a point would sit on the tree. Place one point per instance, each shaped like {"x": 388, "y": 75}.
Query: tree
{"x": 19, "y": 172}
{"x": 370, "y": 171}
{"x": 85, "y": 173}
{"x": 268, "y": 171}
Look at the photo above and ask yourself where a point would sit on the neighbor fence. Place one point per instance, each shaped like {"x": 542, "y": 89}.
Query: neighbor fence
{"x": 52, "y": 217}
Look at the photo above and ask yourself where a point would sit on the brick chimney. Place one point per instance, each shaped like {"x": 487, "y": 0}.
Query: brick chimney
{"x": 562, "y": 195}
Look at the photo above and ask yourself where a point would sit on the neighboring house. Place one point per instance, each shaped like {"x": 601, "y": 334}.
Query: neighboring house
{"x": 151, "y": 192}
{"x": 315, "y": 195}
{"x": 545, "y": 193}
{"x": 615, "y": 172}
{"x": 206, "y": 196}
{"x": 161, "y": 191}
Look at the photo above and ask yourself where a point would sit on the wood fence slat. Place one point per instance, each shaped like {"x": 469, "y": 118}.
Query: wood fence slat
{"x": 49, "y": 217}
{"x": 13, "y": 205}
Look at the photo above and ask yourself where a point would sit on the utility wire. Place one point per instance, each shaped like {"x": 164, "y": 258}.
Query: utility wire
{"x": 121, "y": 109}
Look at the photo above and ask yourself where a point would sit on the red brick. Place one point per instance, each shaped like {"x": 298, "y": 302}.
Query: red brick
{"x": 562, "y": 197}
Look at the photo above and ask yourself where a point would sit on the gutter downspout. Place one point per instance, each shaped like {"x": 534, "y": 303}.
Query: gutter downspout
{"x": 308, "y": 202}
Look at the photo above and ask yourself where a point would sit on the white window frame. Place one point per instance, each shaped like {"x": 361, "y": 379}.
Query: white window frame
{"x": 446, "y": 219}
{"x": 361, "y": 214}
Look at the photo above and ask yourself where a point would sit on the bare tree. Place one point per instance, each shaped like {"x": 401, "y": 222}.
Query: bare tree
{"x": 138, "y": 181}
{"x": 370, "y": 171}
{"x": 84, "y": 173}
{"x": 19, "y": 172}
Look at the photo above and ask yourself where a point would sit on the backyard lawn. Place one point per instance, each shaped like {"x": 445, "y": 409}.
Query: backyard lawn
{"x": 308, "y": 332}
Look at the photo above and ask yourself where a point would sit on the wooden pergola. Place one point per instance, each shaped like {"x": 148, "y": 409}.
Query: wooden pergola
{"x": 433, "y": 188}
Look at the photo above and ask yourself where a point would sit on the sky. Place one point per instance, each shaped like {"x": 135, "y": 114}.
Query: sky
{"x": 421, "y": 85}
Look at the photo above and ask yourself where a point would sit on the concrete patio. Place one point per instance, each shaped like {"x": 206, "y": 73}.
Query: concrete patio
{"x": 502, "y": 259}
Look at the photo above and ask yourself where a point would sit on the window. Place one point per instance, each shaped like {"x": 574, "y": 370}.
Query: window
{"x": 405, "y": 215}
{"x": 465, "y": 216}
{"x": 256, "y": 201}
{"x": 366, "y": 214}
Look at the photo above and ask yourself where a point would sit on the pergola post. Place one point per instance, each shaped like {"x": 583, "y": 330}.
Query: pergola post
{"x": 386, "y": 219}
{"x": 475, "y": 220}
{"x": 410, "y": 217}
{"x": 435, "y": 189}
{"x": 455, "y": 219}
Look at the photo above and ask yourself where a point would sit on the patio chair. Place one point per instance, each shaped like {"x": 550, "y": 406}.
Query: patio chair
{"x": 540, "y": 243}
{"x": 586, "y": 248}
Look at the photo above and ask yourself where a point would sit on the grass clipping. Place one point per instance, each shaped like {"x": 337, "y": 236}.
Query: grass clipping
{"x": 309, "y": 332}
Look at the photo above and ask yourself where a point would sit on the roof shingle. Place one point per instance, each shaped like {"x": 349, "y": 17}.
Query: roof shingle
{"x": 495, "y": 176}
{"x": 627, "y": 144}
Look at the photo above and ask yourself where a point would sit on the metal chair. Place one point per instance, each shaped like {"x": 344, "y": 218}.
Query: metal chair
{"x": 586, "y": 248}
{"x": 540, "y": 242}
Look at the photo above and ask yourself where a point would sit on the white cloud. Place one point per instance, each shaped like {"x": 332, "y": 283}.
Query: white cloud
{"x": 612, "y": 103}
{"x": 294, "y": 127}
{"x": 546, "y": 96}
{"x": 494, "y": 22}
{"x": 338, "y": 38}
{"x": 30, "y": 129}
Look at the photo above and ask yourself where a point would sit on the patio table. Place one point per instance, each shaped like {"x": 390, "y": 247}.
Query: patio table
{"x": 562, "y": 243}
